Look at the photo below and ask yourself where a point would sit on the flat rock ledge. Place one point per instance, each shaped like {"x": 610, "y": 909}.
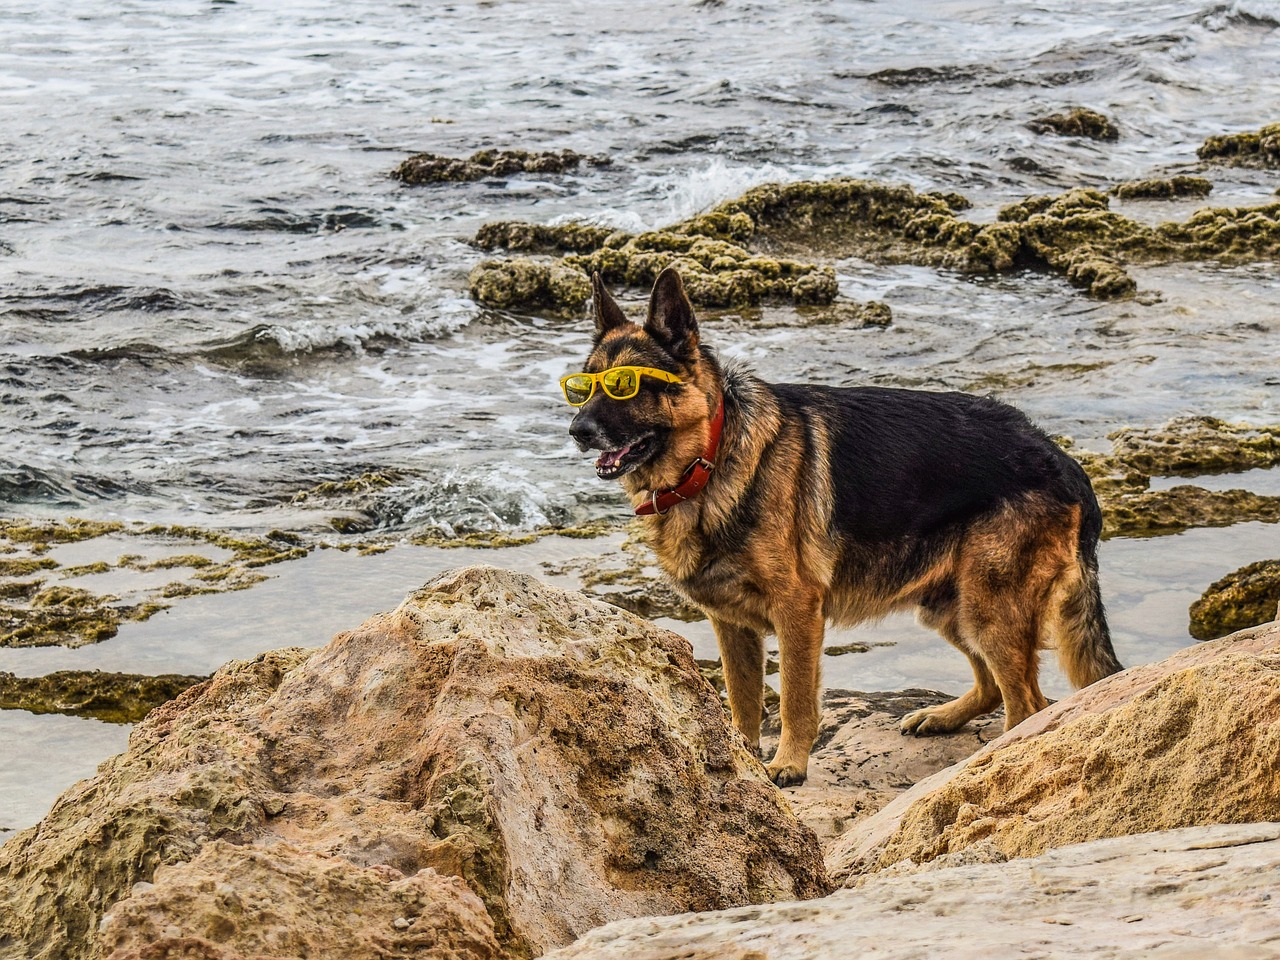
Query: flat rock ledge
{"x": 1201, "y": 893}
{"x": 491, "y": 770}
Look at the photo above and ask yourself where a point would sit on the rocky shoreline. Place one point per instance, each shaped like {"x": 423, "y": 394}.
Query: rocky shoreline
{"x": 499, "y": 768}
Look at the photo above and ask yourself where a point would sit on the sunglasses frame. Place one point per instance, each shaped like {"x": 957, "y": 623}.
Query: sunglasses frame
{"x": 597, "y": 379}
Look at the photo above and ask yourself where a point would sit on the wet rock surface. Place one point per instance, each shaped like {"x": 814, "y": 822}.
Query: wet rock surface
{"x": 1243, "y": 598}
{"x": 431, "y": 168}
{"x": 1204, "y": 892}
{"x": 1163, "y": 189}
{"x": 1259, "y": 148}
{"x": 1188, "y": 741}
{"x": 45, "y": 602}
{"x": 562, "y": 758}
{"x": 1077, "y": 122}
{"x": 768, "y": 243}
{"x": 111, "y": 697}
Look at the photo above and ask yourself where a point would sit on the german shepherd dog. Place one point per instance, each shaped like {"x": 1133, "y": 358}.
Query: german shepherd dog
{"x": 823, "y": 503}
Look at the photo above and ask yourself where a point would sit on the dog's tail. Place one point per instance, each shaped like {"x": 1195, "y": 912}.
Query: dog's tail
{"x": 1082, "y": 637}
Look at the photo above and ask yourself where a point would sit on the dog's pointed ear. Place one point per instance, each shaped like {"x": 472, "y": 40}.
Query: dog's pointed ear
{"x": 671, "y": 320}
{"x": 607, "y": 312}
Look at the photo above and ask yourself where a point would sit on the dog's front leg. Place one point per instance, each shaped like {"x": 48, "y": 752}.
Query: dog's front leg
{"x": 799, "y": 626}
{"x": 742, "y": 657}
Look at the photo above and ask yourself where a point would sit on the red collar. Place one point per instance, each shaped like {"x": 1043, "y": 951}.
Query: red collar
{"x": 695, "y": 476}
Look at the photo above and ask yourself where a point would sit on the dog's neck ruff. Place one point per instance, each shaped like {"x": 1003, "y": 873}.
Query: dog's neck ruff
{"x": 695, "y": 476}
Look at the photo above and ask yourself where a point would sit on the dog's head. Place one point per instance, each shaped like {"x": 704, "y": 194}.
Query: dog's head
{"x": 649, "y": 439}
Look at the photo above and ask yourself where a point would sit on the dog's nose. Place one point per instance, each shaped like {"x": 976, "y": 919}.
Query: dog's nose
{"x": 583, "y": 430}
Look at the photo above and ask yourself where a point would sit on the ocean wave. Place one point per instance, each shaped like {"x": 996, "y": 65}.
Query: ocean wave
{"x": 445, "y": 503}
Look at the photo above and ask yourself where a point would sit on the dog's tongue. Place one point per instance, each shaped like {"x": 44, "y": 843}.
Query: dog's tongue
{"x": 610, "y": 458}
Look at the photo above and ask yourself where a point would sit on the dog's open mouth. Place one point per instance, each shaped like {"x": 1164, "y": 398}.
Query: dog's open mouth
{"x": 614, "y": 463}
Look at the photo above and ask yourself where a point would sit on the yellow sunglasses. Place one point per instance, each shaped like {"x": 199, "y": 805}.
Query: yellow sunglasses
{"x": 620, "y": 383}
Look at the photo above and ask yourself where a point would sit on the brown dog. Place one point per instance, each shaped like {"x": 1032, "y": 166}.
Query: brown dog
{"x": 777, "y": 507}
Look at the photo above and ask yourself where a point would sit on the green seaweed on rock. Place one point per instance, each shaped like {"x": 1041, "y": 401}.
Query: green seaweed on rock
{"x": 110, "y": 697}
{"x": 1260, "y": 148}
{"x": 1243, "y": 598}
{"x": 432, "y": 168}
{"x": 1077, "y": 122}
{"x": 1162, "y": 188}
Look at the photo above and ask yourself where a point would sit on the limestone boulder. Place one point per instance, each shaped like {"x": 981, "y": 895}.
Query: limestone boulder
{"x": 1191, "y": 740}
{"x": 1204, "y": 893}
{"x": 279, "y": 901}
{"x": 561, "y": 758}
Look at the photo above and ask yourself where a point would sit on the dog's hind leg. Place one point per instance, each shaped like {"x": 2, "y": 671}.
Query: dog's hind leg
{"x": 742, "y": 658}
{"x": 800, "y": 626}
{"x": 982, "y": 699}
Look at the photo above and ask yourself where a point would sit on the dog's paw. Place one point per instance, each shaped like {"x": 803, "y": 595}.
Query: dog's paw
{"x": 785, "y": 774}
{"x": 926, "y": 722}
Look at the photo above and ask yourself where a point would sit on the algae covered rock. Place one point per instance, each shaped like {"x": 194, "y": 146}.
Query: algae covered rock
{"x": 764, "y": 245}
{"x": 1156, "y": 512}
{"x": 111, "y": 697}
{"x": 1163, "y": 189}
{"x": 1191, "y": 445}
{"x": 563, "y": 759}
{"x": 521, "y": 282}
{"x": 1189, "y": 741}
{"x": 1077, "y": 122}
{"x": 1259, "y": 148}
{"x": 432, "y": 168}
{"x": 1243, "y": 598}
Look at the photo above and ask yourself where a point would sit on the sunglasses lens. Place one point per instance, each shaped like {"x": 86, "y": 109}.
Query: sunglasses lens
{"x": 622, "y": 383}
{"x": 577, "y": 389}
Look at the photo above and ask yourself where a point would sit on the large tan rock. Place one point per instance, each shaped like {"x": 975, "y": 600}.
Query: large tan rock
{"x": 1204, "y": 893}
{"x": 1191, "y": 740}
{"x": 279, "y": 901}
{"x": 563, "y": 758}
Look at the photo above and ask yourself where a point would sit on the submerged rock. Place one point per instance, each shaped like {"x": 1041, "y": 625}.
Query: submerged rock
{"x": 432, "y": 168}
{"x": 35, "y": 612}
{"x": 1156, "y": 512}
{"x": 1163, "y": 189}
{"x": 1077, "y": 122}
{"x": 1259, "y": 148}
{"x": 1189, "y": 741}
{"x": 562, "y": 758}
{"x": 1195, "y": 894}
{"x": 111, "y": 697}
{"x": 1243, "y": 598}
{"x": 1194, "y": 445}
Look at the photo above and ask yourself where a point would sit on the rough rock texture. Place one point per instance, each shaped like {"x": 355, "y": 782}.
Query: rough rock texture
{"x": 1190, "y": 445}
{"x": 563, "y": 758}
{"x": 1254, "y": 149}
{"x": 1206, "y": 893}
{"x": 432, "y": 168}
{"x": 521, "y": 282}
{"x": 1243, "y": 598}
{"x": 285, "y": 902}
{"x": 759, "y": 246}
{"x": 861, "y": 760}
{"x": 1077, "y": 122}
{"x": 1155, "y": 512}
{"x": 1191, "y": 740}
{"x": 1163, "y": 189}
{"x": 113, "y": 697}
